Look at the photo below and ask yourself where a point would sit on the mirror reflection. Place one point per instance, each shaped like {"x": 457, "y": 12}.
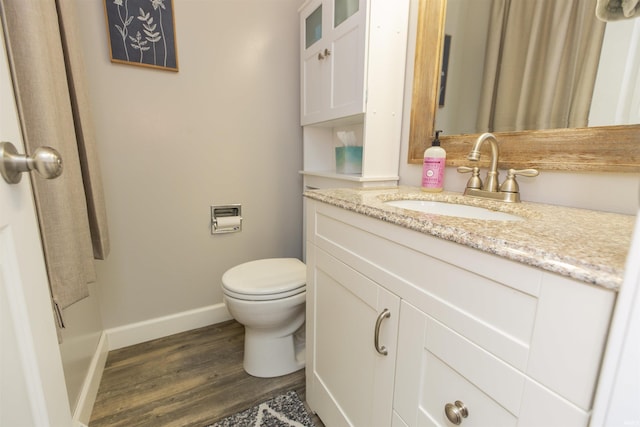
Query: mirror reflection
{"x": 518, "y": 65}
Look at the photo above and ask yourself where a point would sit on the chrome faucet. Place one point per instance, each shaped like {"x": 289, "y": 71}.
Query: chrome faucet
{"x": 491, "y": 183}
{"x": 491, "y": 189}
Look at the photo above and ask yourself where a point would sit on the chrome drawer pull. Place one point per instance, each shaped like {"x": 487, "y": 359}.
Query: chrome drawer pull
{"x": 376, "y": 336}
{"x": 456, "y": 412}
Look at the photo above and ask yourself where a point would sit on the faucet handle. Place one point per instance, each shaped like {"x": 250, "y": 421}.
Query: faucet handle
{"x": 524, "y": 172}
{"x": 510, "y": 185}
{"x": 474, "y": 181}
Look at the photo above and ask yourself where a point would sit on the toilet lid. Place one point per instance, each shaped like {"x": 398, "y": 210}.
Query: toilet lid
{"x": 265, "y": 279}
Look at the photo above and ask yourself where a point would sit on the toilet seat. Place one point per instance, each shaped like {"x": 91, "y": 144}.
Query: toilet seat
{"x": 265, "y": 279}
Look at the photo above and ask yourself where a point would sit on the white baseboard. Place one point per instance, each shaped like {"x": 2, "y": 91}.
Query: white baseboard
{"x": 159, "y": 327}
{"x": 89, "y": 391}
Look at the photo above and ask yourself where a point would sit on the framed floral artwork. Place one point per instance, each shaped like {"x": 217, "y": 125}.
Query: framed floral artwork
{"x": 142, "y": 32}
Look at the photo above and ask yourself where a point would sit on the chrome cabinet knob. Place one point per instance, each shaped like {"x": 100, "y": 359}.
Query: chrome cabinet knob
{"x": 45, "y": 160}
{"x": 455, "y": 412}
{"x": 322, "y": 55}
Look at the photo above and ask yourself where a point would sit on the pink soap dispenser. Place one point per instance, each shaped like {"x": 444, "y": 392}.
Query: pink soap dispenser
{"x": 433, "y": 166}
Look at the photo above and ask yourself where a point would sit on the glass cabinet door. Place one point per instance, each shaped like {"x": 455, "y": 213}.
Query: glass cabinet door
{"x": 343, "y": 9}
{"x": 313, "y": 27}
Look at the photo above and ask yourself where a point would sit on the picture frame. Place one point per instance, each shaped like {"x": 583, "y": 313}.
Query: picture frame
{"x": 142, "y": 33}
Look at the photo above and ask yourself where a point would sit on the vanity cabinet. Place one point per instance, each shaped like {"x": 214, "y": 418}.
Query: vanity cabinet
{"x": 512, "y": 344}
{"x": 352, "y": 65}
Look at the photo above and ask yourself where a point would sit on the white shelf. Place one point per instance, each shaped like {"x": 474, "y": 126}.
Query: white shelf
{"x": 329, "y": 179}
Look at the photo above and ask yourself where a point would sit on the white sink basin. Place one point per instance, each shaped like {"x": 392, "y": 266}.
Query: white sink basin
{"x": 452, "y": 209}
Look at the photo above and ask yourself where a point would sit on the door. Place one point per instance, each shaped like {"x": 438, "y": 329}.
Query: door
{"x": 618, "y": 394}
{"x": 32, "y": 387}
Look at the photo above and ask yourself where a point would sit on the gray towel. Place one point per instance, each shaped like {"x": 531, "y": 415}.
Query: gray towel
{"x": 615, "y": 10}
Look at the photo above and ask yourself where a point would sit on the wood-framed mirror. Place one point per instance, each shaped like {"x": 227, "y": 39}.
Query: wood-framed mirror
{"x": 601, "y": 148}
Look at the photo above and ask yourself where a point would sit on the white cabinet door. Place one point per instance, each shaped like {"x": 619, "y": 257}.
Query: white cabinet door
{"x": 349, "y": 383}
{"x": 314, "y": 72}
{"x": 346, "y": 57}
{"x": 332, "y": 59}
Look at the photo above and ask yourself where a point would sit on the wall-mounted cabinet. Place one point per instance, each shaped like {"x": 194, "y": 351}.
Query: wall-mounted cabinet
{"x": 332, "y": 55}
{"x": 353, "y": 58}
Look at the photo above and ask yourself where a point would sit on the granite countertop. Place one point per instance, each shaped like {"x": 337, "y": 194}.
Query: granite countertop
{"x": 590, "y": 246}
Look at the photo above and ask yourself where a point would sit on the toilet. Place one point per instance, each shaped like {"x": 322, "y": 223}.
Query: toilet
{"x": 267, "y": 296}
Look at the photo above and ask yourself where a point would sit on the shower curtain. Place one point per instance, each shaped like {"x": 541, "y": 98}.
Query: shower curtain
{"x": 47, "y": 72}
{"x": 541, "y": 63}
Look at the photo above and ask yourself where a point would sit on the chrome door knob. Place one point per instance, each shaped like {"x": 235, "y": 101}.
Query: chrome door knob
{"x": 455, "y": 412}
{"x": 45, "y": 160}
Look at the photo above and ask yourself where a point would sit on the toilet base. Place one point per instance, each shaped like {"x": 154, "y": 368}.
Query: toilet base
{"x": 269, "y": 356}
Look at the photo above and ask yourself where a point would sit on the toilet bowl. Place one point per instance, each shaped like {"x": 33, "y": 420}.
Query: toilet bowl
{"x": 267, "y": 296}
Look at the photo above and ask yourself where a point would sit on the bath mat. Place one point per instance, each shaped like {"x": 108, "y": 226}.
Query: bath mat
{"x": 286, "y": 410}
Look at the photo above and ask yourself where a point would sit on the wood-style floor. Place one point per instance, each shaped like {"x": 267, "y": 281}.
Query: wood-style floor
{"x": 190, "y": 379}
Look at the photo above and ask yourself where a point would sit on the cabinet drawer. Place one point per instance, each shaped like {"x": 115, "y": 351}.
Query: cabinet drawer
{"x": 443, "y": 385}
{"x": 436, "y": 366}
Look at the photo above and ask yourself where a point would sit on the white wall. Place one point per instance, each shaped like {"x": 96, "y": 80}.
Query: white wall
{"x": 224, "y": 129}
